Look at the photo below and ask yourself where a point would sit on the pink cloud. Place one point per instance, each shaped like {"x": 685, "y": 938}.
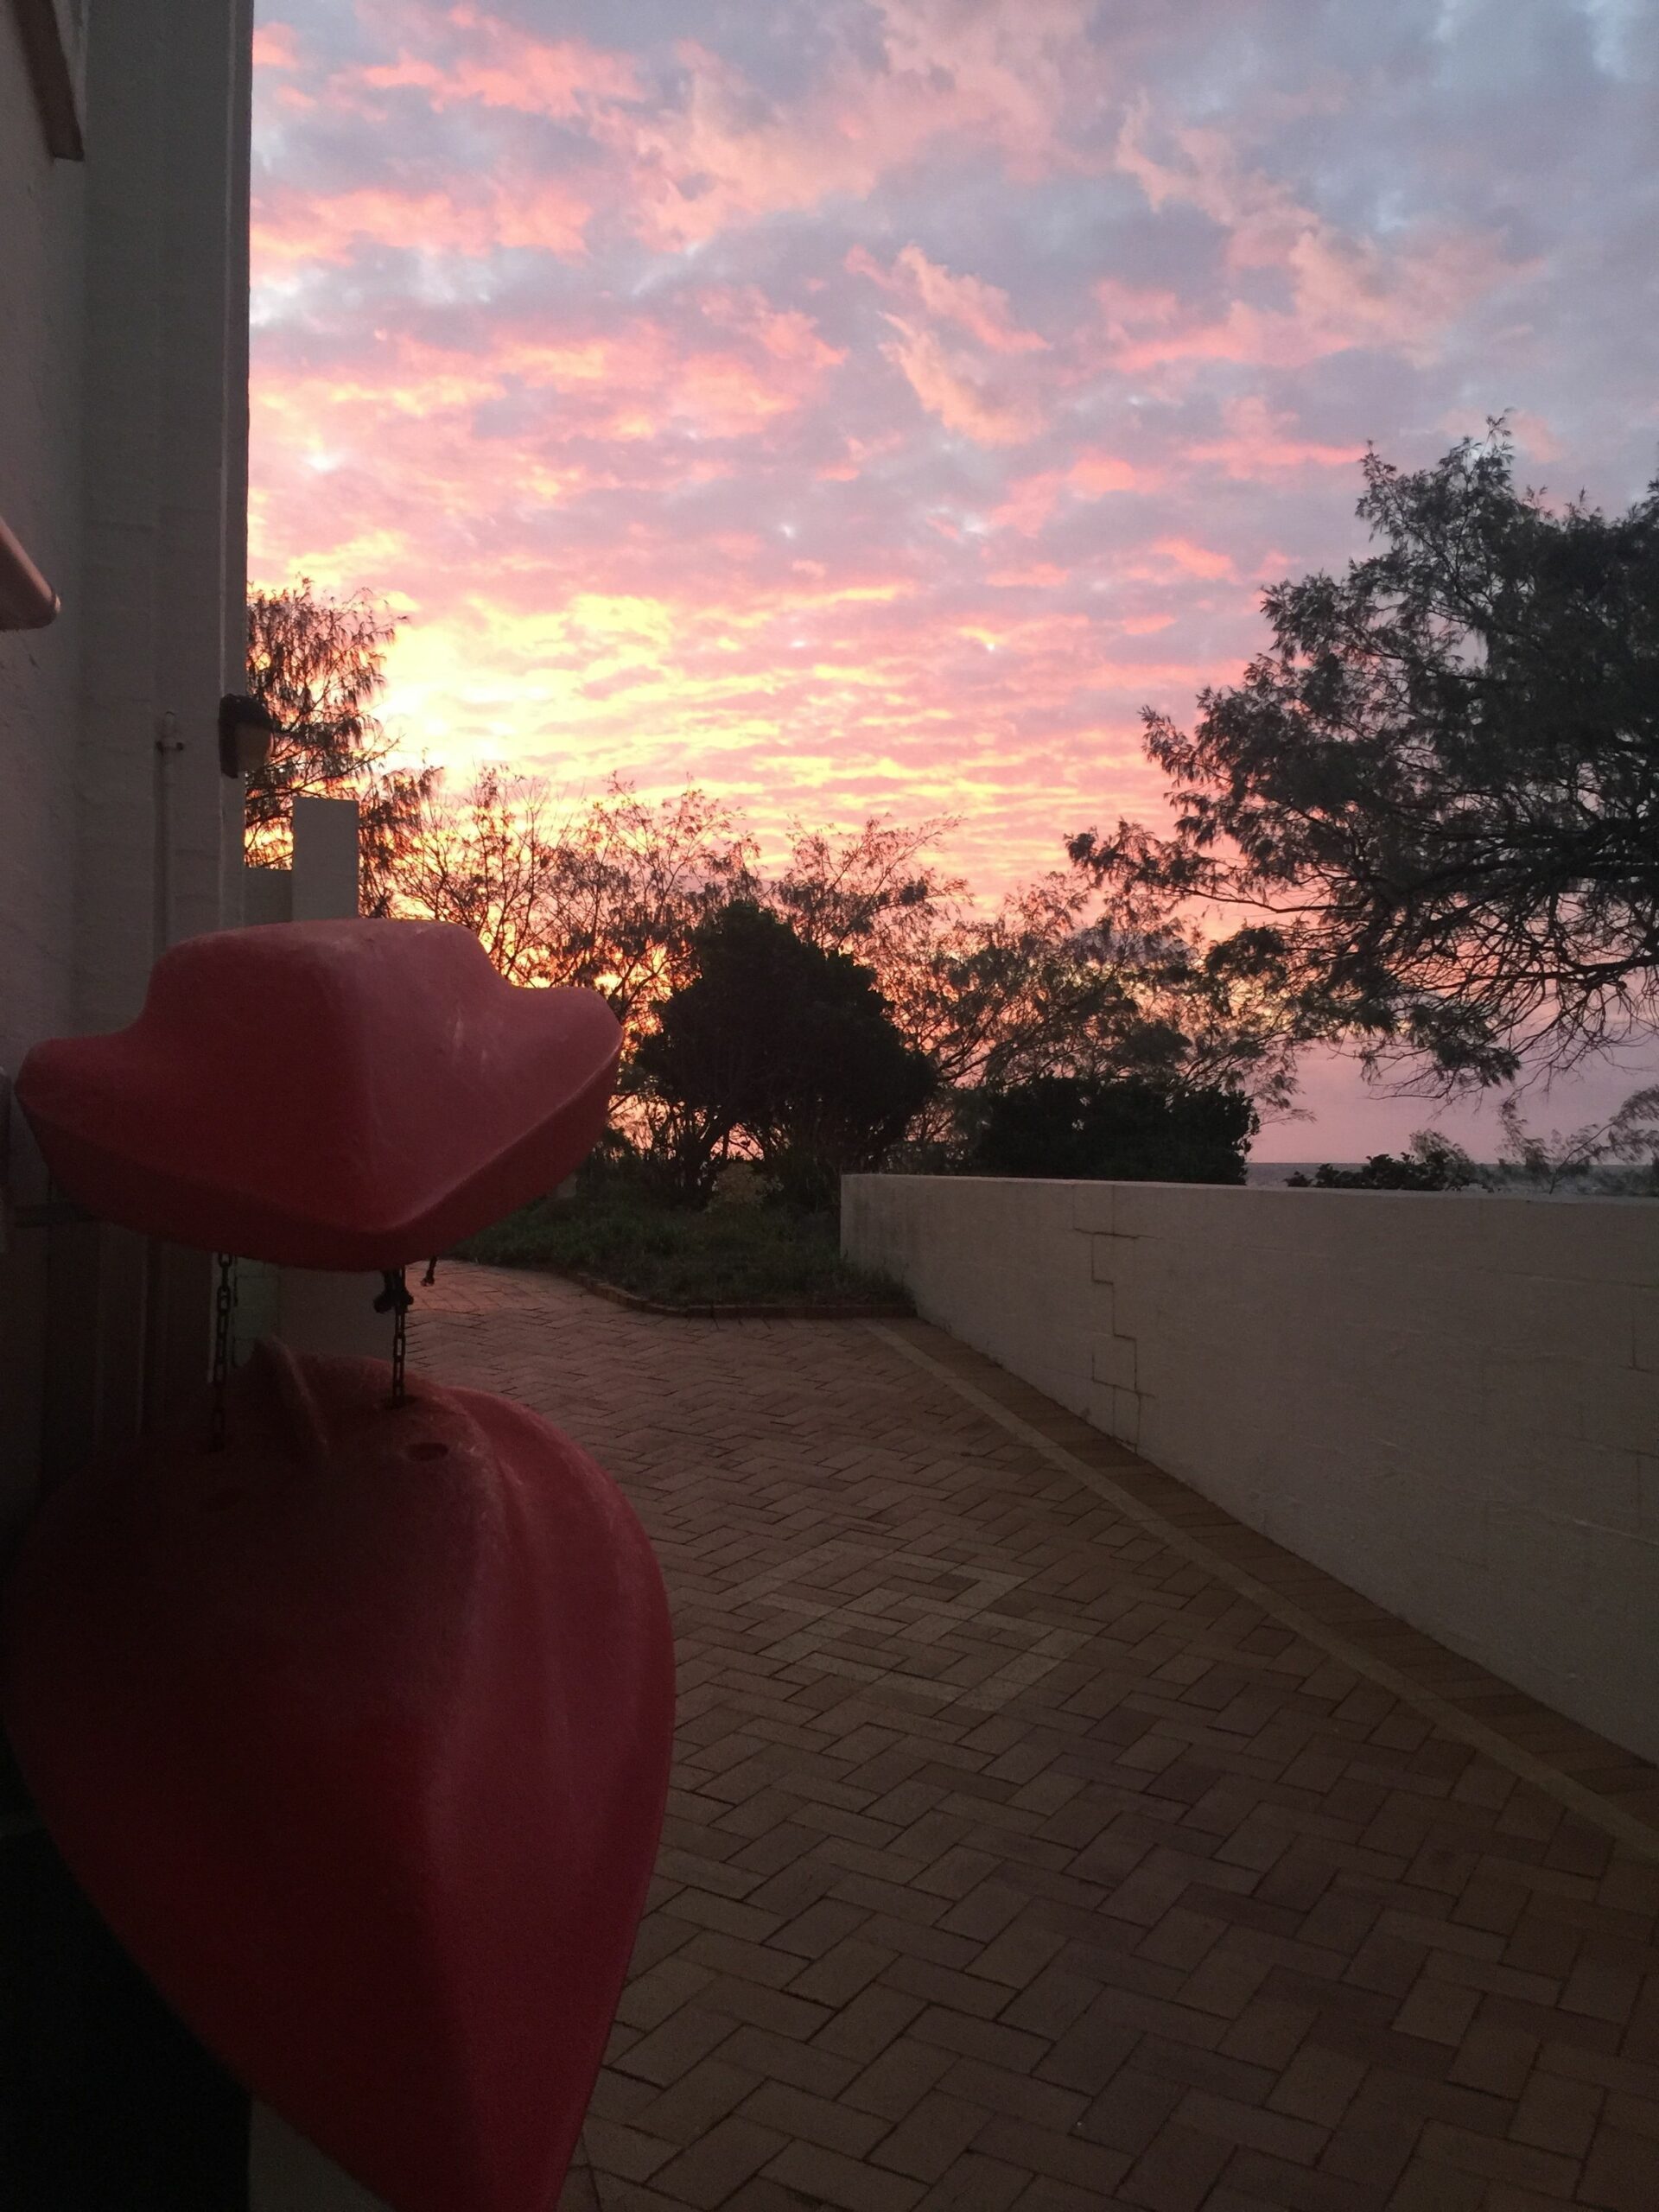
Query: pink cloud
{"x": 1257, "y": 442}
{"x": 500, "y": 65}
{"x": 472, "y": 215}
{"x": 728, "y": 367}
{"x": 667, "y": 486}
{"x": 786, "y": 334}
{"x": 854, "y": 455}
{"x": 1042, "y": 575}
{"x": 1346, "y": 289}
{"x": 953, "y": 387}
{"x": 725, "y": 152}
{"x": 1194, "y": 560}
{"x": 1535, "y": 435}
{"x": 276, "y": 46}
{"x": 1031, "y": 501}
{"x": 1095, "y": 473}
{"x": 979, "y": 308}
{"x": 1129, "y": 307}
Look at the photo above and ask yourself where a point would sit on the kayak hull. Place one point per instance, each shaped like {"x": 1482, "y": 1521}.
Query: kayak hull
{"x": 338, "y": 1095}
{"x": 357, "y": 1732}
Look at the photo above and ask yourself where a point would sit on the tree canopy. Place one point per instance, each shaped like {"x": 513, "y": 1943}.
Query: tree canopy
{"x": 1125, "y": 1129}
{"x": 604, "y": 894}
{"x": 609, "y": 891}
{"x": 772, "y": 1039}
{"x": 1430, "y": 1163}
{"x": 1433, "y": 802}
{"x": 317, "y": 664}
{"x": 923, "y": 1006}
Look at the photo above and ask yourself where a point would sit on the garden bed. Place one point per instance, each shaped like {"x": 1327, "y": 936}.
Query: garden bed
{"x": 725, "y": 1263}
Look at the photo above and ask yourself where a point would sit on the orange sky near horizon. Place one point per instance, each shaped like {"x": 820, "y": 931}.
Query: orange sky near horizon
{"x": 866, "y": 406}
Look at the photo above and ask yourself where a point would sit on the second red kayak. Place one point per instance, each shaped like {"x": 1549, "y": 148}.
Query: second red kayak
{"x": 357, "y": 1732}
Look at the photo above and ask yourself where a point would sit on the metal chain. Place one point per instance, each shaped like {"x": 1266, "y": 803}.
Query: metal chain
{"x": 395, "y": 1297}
{"x": 223, "y": 1307}
{"x": 399, "y": 1347}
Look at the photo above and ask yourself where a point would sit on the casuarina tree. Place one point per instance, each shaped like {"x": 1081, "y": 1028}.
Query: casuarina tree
{"x": 317, "y": 664}
{"x": 1433, "y": 801}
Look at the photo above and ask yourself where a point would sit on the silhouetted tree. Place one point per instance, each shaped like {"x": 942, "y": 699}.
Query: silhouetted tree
{"x": 318, "y": 665}
{"x": 1629, "y": 1137}
{"x": 610, "y": 892}
{"x": 606, "y": 894}
{"x": 1436, "y": 796}
{"x": 1430, "y": 1163}
{"x": 775, "y": 1041}
{"x": 1033, "y": 988}
{"x": 1128, "y": 1129}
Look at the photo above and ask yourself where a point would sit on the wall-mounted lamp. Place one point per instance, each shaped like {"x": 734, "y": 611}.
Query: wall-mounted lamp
{"x": 246, "y": 730}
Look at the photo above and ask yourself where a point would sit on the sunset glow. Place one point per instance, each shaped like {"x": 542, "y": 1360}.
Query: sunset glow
{"x": 868, "y": 405}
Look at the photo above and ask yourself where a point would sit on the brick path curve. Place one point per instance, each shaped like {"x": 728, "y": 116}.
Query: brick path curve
{"x": 1040, "y": 1839}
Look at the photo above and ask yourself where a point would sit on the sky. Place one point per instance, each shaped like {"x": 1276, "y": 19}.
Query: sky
{"x": 867, "y": 406}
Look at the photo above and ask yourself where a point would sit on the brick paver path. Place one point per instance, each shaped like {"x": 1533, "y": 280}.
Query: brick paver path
{"x": 1041, "y": 1838}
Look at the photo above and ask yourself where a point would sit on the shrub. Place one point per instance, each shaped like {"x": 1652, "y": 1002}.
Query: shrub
{"x": 774, "y": 1041}
{"x": 1126, "y": 1128}
{"x": 1432, "y": 1163}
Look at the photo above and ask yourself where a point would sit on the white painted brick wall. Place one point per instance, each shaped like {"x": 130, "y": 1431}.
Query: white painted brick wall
{"x": 123, "y": 351}
{"x": 1450, "y": 1403}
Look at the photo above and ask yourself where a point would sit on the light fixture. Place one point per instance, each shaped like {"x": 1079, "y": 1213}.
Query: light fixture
{"x": 246, "y": 730}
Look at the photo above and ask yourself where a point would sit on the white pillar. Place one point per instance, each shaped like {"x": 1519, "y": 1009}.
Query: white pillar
{"x": 314, "y": 1312}
{"x": 326, "y": 868}
{"x": 318, "y": 1312}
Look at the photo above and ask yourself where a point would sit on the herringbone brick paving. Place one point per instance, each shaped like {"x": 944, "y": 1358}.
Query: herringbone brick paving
{"x": 1040, "y": 1838}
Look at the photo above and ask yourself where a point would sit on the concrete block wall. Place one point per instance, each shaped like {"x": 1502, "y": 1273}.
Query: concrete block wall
{"x": 1451, "y": 1403}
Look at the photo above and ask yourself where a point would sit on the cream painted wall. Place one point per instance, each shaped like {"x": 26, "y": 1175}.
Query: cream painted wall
{"x": 1451, "y": 1403}
{"x": 122, "y": 390}
{"x": 40, "y": 330}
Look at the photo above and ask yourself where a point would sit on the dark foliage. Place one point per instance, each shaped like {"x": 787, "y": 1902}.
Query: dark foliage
{"x": 777, "y": 1043}
{"x": 613, "y": 1230}
{"x": 317, "y": 665}
{"x": 1127, "y": 1130}
{"x": 1433, "y": 1163}
{"x": 1436, "y": 796}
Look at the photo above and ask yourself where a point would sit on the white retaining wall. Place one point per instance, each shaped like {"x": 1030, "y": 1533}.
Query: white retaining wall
{"x": 1451, "y": 1403}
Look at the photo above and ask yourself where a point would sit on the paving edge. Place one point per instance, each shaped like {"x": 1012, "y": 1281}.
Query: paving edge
{"x": 1636, "y": 1834}
{"x": 635, "y": 1304}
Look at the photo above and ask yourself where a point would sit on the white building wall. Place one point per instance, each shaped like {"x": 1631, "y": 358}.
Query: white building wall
{"x": 1450, "y": 1403}
{"x": 40, "y": 497}
{"x": 122, "y": 470}
{"x": 40, "y": 328}
{"x": 123, "y": 377}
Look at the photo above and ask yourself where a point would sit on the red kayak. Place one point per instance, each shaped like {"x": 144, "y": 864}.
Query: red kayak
{"x": 340, "y": 1094}
{"x": 357, "y": 1732}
